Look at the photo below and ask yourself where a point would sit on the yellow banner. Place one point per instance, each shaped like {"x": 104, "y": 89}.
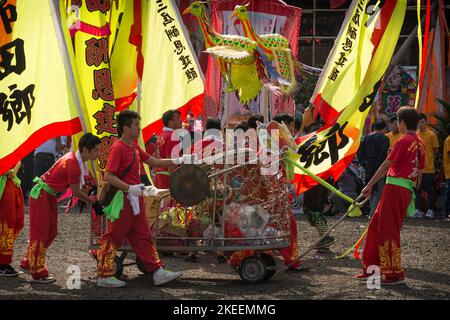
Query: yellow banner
{"x": 36, "y": 103}
{"x": 362, "y": 47}
{"x": 328, "y": 152}
{"x": 172, "y": 78}
{"x": 124, "y": 55}
{"x": 90, "y": 32}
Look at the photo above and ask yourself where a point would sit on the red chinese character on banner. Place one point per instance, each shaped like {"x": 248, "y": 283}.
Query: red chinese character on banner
{"x": 94, "y": 5}
{"x": 106, "y": 121}
{"x": 104, "y": 150}
{"x": 97, "y": 51}
{"x": 103, "y": 85}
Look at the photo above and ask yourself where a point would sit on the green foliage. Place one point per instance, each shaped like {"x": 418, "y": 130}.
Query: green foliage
{"x": 443, "y": 119}
{"x": 306, "y": 85}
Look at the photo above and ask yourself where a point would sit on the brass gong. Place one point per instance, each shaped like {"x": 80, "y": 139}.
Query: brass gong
{"x": 189, "y": 185}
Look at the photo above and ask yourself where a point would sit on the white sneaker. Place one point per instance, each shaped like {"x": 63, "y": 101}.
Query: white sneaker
{"x": 110, "y": 282}
{"x": 430, "y": 214}
{"x": 162, "y": 276}
{"x": 419, "y": 214}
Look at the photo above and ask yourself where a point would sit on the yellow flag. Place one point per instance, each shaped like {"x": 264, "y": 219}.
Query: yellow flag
{"x": 348, "y": 85}
{"x": 36, "y": 103}
{"x": 172, "y": 78}
{"x": 90, "y": 30}
{"x": 363, "y": 46}
{"x": 125, "y": 34}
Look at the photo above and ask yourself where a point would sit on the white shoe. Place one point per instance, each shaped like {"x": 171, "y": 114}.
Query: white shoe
{"x": 430, "y": 214}
{"x": 419, "y": 214}
{"x": 110, "y": 282}
{"x": 162, "y": 276}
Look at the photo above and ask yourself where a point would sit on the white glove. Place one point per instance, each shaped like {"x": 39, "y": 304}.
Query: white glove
{"x": 186, "y": 159}
{"x": 151, "y": 191}
{"x": 136, "y": 189}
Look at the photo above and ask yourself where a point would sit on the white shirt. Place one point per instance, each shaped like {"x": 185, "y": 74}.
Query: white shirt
{"x": 47, "y": 147}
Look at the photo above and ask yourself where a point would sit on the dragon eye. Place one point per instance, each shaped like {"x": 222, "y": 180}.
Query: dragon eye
{"x": 195, "y": 6}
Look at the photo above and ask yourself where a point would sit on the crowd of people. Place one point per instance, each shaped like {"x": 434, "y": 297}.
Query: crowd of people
{"x": 392, "y": 168}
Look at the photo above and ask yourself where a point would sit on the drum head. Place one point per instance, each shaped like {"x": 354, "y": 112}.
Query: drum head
{"x": 189, "y": 185}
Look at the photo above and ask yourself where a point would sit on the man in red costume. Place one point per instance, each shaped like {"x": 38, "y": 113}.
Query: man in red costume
{"x": 122, "y": 172}
{"x": 69, "y": 171}
{"x": 404, "y": 167}
{"x": 11, "y": 219}
{"x": 165, "y": 146}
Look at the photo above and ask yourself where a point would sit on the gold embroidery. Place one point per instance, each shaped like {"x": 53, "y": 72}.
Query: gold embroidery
{"x": 6, "y": 239}
{"x": 385, "y": 261}
{"x": 396, "y": 258}
{"x": 36, "y": 256}
{"x": 295, "y": 253}
{"x": 106, "y": 258}
{"x": 390, "y": 262}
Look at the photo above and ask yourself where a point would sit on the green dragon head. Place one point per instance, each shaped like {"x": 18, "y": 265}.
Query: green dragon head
{"x": 241, "y": 12}
{"x": 196, "y": 8}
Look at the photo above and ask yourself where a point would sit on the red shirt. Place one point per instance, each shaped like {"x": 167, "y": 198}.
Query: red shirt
{"x": 207, "y": 147}
{"x": 120, "y": 157}
{"x": 64, "y": 172}
{"x": 150, "y": 148}
{"x": 407, "y": 156}
{"x": 164, "y": 147}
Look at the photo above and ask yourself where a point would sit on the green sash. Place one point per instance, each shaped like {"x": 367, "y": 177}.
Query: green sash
{"x": 407, "y": 184}
{"x": 113, "y": 210}
{"x": 3, "y": 180}
{"x": 2, "y": 185}
{"x": 36, "y": 191}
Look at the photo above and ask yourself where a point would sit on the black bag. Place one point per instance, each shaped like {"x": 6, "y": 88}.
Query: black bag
{"x": 112, "y": 190}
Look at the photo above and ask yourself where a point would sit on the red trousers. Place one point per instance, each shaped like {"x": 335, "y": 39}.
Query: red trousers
{"x": 291, "y": 253}
{"x": 135, "y": 229}
{"x": 382, "y": 246}
{"x": 43, "y": 230}
{"x": 11, "y": 220}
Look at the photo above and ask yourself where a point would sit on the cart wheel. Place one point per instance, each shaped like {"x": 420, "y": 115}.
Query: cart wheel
{"x": 118, "y": 267}
{"x": 140, "y": 265}
{"x": 252, "y": 270}
{"x": 270, "y": 265}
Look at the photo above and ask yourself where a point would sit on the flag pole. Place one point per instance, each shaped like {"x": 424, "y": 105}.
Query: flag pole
{"x": 67, "y": 64}
{"x": 68, "y": 67}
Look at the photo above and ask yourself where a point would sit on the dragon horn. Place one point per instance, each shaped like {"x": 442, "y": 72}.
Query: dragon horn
{"x": 248, "y": 3}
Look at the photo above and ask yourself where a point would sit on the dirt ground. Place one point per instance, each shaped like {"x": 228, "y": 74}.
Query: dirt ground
{"x": 425, "y": 254}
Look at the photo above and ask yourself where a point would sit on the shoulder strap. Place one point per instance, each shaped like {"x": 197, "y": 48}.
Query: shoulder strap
{"x": 128, "y": 169}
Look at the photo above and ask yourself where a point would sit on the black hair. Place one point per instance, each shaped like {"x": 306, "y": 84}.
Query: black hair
{"x": 125, "y": 119}
{"x": 212, "y": 123}
{"x": 392, "y": 119}
{"x": 168, "y": 116}
{"x": 252, "y": 121}
{"x": 409, "y": 116}
{"x": 422, "y": 116}
{"x": 284, "y": 117}
{"x": 88, "y": 141}
{"x": 379, "y": 124}
{"x": 242, "y": 125}
{"x": 448, "y": 128}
